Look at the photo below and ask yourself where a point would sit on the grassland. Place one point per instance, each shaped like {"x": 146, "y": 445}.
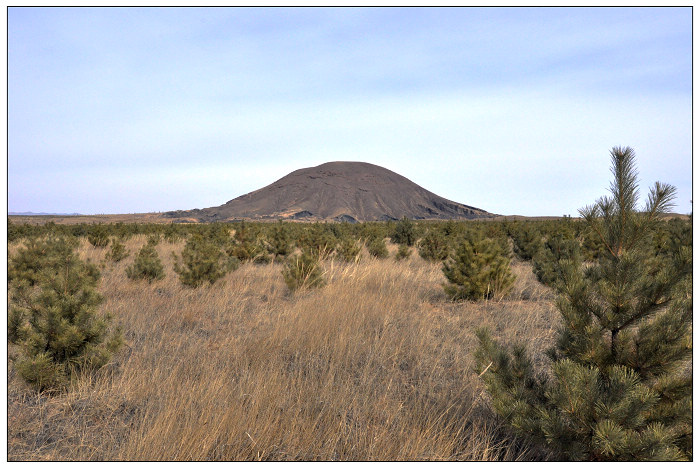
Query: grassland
{"x": 377, "y": 365}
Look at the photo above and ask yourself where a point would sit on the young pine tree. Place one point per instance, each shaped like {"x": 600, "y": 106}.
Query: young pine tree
{"x": 548, "y": 263}
{"x": 349, "y": 249}
{"x": 404, "y": 233}
{"x": 117, "y": 252}
{"x": 479, "y": 268}
{"x": 435, "y": 246}
{"x": 203, "y": 260}
{"x": 377, "y": 247}
{"x": 280, "y": 240}
{"x": 147, "y": 265}
{"x": 98, "y": 236}
{"x": 53, "y": 317}
{"x": 527, "y": 242}
{"x": 620, "y": 386}
{"x": 304, "y": 270}
{"x": 402, "y": 253}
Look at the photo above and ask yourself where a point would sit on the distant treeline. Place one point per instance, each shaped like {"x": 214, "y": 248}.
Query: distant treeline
{"x": 433, "y": 239}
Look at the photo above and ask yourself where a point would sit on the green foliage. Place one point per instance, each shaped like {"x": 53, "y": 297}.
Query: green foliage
{"x": 303, "y": 271}
{"x": 591, "y": 245}
{"x": 318, "y": 238}
{"x": 202, "y": 261}
{"x": 280, "y": 241}
{"x": 402, "y": 253}
{"x": 670, "y": 236}
{"x": 527, "y": 242}
{"x": 172, "y": 234}
{"x": 377, "y": 248}
{"x": 153, "y": 240}
{"x": 147, "y": 265}
{"x": 349, "y": 249}
{"x": 98, "y": 236}
{"x": 53, "y": 316}
{"x": 248, "y": 245}
{"x": 434, "y": 247}
{"x": 548, "y": 262}
{"x": 478, "y": 269}
{"x": 620, "y": 386}
{"x": 404, "y": 233}
{"x": 30, "y": 260}
{"x": 117, "y": 252}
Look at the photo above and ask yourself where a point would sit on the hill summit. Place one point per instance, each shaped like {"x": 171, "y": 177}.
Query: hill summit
{"x": 341, "y": 191}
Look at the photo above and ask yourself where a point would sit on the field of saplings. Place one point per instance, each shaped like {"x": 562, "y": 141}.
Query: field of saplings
{"x": 405, "y": 340}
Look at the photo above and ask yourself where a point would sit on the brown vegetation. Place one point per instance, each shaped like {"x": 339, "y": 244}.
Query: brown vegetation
{"x": 377, "y": 365}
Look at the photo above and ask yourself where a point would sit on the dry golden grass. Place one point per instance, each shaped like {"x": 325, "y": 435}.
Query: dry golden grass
{"x": 377, "y": 365}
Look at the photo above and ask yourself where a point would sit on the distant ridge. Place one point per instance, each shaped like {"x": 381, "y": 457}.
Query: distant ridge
{"x": 340, "y": 191}
{"x": 31, "y": 213}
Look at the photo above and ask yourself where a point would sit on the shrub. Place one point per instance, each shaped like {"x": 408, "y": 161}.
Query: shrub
{"x": 349, "y": 249}
{"x": 318, "y": 238}
{"x": 404, "y": 233}
{"x": 153, "y": 240}
{"x": 303, "y": 271}
{"x": 202, "y": 260}
{"x": 280, "y": 242}
{"x": 620, "y": 385}
{"x": 147, "y": 265}
{"x": 478, "y": 269}
{"x": 172, "y": 234}
{"x": 98, "y": 236}
{"x": 548, "y": 262}
{"x": 29, "y": 261}
{"x": 527, "y": 242}
{"x": 117, "y": 252}
{"x": 248, "y": 245}
{"x": 434, "y": 246}
{"x": 377, "y": 248}
{"x": 403, "y": 253}
{"x": 53, "y": 318}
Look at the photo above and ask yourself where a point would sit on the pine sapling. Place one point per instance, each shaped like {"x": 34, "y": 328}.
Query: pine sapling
{"x": 402, "y": 253}
{"x": 202, "y": 261}
{"x": 620, "y": 382}
{"x": 478, "y": 269}
{"x": 377, "y": 248}
{"x": 54, "y": 320}
{"x": 303, "y": 271}
{"x": 117, "y": 252}
{"x": 147, "y": 264}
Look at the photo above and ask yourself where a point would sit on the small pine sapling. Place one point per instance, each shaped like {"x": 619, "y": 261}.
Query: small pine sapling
{"x": 404, "y": 233}
{"x": 402, "y": 253}
{"x": 54, "y": 319}
{"x": 377, "y": 248}
{"x": 202, "y": 261}
{"x": 527, "y": 242}
{"x": 349, "y": 249}
{"x": 434, "y": 247}
{"x": 147, "y": 264}
{"x": 117, "y": 252}
{"x": 303, "y": 271}
{"x": 548, "y": 263}
{"x": 478, "y": 269}
{"x": 98, "y": 236}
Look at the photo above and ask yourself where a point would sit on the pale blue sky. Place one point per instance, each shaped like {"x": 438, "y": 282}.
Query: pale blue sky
{"x": 512, "y": 110}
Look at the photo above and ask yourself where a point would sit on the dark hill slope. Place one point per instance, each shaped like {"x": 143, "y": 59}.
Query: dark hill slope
{"x": 349, "y": 191}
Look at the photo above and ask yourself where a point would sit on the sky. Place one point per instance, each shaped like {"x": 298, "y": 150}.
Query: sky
{"x": 511, "y": 110}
